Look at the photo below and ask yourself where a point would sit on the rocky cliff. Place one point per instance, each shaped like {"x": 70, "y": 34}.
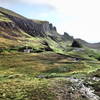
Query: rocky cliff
{"x": 14, "y": 26}
{"x": 26, "y": 31}
{"x": 67, "y": 37}
{"x": 33, "y": 28}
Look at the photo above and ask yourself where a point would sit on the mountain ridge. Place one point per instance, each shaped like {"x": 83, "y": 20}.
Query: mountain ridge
{"x": 22, "y": 29}
{"x": 37, "y": 63}
{"x": 11, "y": 21}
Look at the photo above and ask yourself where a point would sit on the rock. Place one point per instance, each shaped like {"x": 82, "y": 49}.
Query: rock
{"x": 87, "y": 92}
{"x": 47, "y": 48}
{"x": 76, "y": 44}
{"x": 1, "y": 50}
{"x": 67, "y": 37}
{"x": 33, "y": 28}
{"x": 26, "y": 49}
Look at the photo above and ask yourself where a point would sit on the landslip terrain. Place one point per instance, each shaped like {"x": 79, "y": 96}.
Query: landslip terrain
{"x": 37, "y": 63}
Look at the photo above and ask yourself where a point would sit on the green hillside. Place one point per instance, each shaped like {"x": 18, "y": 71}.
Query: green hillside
{"x": 36, "y": 63}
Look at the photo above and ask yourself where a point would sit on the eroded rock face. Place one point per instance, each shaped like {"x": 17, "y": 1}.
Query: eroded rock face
{"x": 29, "y": 26}
{"x": 67, "y": 37}
{"x": 52, "y": 28}
{"x": 76, "y": 44}
{"x": 10, "y": 25}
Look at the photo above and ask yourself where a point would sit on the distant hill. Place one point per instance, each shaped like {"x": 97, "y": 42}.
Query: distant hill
{"x": 90, "y": 45}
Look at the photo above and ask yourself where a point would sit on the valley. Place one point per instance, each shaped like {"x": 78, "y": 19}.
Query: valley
{"x": 37, "y": 63}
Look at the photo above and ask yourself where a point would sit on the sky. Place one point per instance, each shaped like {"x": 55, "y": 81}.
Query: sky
{"x": 79, "y": 18}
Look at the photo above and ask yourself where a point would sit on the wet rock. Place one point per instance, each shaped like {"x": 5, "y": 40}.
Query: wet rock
{"x": 87, "y": 92}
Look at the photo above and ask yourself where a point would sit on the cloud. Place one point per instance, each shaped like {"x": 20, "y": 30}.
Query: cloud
{"x": 3, "y": 3}
{"x": 69, "y": 7}
{"x": 7, "y": 2}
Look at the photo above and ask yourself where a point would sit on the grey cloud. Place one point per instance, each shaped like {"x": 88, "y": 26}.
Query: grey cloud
{"x": 7, "y": 3}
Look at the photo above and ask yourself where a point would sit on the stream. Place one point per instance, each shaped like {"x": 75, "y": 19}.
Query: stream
{"x": 88, "y": 92}
{"x": 78, "y": 84}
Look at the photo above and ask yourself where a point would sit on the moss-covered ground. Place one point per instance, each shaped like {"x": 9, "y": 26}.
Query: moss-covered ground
{"x": 42, "y": 76}
{"x": 38, "y": 76}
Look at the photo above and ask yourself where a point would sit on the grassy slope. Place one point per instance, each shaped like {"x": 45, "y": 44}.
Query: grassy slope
{"x": 18, "y": 38}
{"x": 10, "y": 12}
{"x": 20, "y": 72}
{"x": 15, "y": 37}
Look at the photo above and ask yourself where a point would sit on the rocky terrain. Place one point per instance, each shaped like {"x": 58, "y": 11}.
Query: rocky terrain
{"x": 37, "y": 63}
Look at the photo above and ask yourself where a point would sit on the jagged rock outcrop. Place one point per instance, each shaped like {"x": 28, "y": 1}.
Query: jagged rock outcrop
{"x": 10, "y": 25}
{"x": 67, "y": 37}
{"x": 31, "y": 27}
{"x": 13, "y": 25}
{"x": 52, "y": 28}
{"x": 76, "y": 44}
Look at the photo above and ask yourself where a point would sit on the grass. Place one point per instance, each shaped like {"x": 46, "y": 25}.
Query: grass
{"x": 4, "y": 19}
{"x": 10, "y": 12}
{"x": 43, "y": 63}
{"x": 38, "y": 89}
{"x": 26, "y": 90}
{"x": 20, "y": 72}
{"x": 41, "y": 76}
{"x": 9, "y": 41}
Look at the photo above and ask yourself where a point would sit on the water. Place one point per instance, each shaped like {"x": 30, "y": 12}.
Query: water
{"x": 86, "y": 91}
